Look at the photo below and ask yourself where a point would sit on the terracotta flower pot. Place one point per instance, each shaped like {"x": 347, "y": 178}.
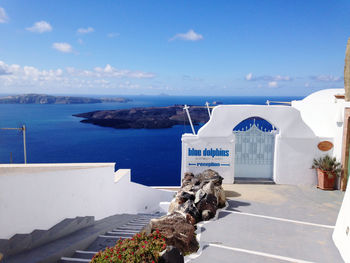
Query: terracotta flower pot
{"x": 325, "y": 180}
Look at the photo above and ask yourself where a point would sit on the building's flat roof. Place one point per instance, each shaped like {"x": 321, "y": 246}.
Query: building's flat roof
{"x": 272, "y": 223}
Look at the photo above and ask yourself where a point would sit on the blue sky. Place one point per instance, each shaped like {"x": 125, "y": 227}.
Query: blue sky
{"x": 285, "y": 47}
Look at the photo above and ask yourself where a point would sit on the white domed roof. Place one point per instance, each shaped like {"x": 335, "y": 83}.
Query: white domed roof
{"x": 326, "y": 95}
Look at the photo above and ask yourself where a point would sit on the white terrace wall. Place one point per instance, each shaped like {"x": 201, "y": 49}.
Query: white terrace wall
{"x": 38, "y": 196}
{"x": 341, "y": 234}
{"x": 295, "y": 145}
{"x": 324, "y": 114}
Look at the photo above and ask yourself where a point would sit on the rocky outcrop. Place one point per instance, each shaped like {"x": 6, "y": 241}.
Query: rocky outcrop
{"x": 145, "y": 118}
{"x": 347, "y": 72}
{"x": 198, "y": 199}
{"x": 200, "y": 196}
{"x": 48, "y": 99}
{"x": 177, "y": 232}
{"x": 171, "y": 255}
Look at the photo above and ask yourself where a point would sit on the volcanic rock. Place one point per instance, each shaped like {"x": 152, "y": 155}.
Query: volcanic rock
{"x": 198, "y": 199}
{"x": 200, "y": 196}
{"x": 177, "y": 232}
{"x": 49, "y": 99}
{"x": 171, "y": 255}
{"x": 145, "y": 118}
{"x": 208, "y": 206}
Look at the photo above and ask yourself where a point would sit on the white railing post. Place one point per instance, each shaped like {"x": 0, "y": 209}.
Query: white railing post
{"x": 189, "y": 118}
{"x": 24, "y": 144}
{"x": 207, "y": 104}
{"x": 23, "y": 129}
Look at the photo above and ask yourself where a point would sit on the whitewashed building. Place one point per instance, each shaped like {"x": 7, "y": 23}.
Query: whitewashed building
{"x": 307, "y": 129}
{"x": 284, "y": 153}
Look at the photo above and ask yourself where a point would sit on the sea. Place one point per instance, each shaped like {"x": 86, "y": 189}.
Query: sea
{"x": 55, "y": 136}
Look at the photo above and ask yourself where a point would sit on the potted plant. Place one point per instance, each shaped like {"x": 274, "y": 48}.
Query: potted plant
{"x": 327, "y": 170}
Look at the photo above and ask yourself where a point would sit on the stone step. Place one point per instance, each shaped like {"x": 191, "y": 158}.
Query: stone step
{"x": 125, "y": 231}
{"x": 84, "y": 254}
{"x": 142, "y": 219}
{"x": 123, "y": 234}
{"x": 149, "y": 215}
{"x": 104, "y": 241}
{"x": 20, "y": 243}
{"x": 110, "y": 238}
{"x": 137, "y": 224}
{"x": 126, "y": 228}
{"x": 244, "y": 180}
{"x": 107, "y": 237}
{"x": 73, "y": 260}
{"x": 141, "y": 223}
{"x": 53, "y": 250}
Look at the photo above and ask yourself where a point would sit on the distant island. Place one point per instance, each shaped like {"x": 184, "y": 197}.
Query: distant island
{"x": 49, "y": 99}
{"x": 145, "y": 118}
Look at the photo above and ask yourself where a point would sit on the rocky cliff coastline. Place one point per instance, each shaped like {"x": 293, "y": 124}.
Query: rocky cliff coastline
{"x": 145, "y": 118}
{"x": 49, "y": 99}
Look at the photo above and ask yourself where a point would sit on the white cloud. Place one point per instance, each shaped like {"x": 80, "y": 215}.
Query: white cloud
{"x": 189, "y": 36}
{"x": 112, "y": 35}
{"x": 63, "y": 47}
{"x": 27, "y": 75}
{"x": 4, "y": 69}
{"x": 20, "y": 78}
{"x": 273, "y": 84}
{"x": 128, "y": 85}
{"x": 40, "y": 27}
{"x": 110, "y": 72}
{"x": 283, "y": 78}
{"x": 3, "y": 16}
{"x": 326, "y": 78}
{"x": 251, "y": 77}
{"x": 85, "y": 30}
{"x": 191, "y": 78}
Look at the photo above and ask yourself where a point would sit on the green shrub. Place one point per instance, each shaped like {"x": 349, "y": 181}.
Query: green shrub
{"x": 139, "y": 248}
{"x": 327, "y": 164}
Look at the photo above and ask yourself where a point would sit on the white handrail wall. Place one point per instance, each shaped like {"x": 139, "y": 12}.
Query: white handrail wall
{"x": 38, "y": 196}
{"x": 341, "y": 234}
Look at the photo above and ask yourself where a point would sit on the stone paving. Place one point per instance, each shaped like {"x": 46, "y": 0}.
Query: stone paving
{"x": 272, "y": 223}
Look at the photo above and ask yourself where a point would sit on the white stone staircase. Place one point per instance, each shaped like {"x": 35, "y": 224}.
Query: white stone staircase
{"x": 110, "y": 238}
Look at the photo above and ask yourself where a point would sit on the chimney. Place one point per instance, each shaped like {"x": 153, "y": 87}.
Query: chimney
{"x": 347, "y": 72}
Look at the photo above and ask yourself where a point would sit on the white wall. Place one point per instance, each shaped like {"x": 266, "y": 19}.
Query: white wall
{"x": 301, "y": 127}
{"x": 295, "y": 145}
{"x": 227, "y": 143}
{"x": 324, "y": 114}
{"x": 293, "y": 160}
{"x": 341, "y": 234}
{"x": 225, "y": 117}
{"x": 38, "y": 196}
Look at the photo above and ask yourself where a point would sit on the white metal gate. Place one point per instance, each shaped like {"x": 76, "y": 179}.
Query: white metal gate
{"x": 254, "y": 151}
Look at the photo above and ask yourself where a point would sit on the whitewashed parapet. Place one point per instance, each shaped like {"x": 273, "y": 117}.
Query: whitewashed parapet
{"x": 294, "y": 149}
{"x": 38, "y": 196}
{"x": 225, "y": 117}
{"x": 341, "y": 234}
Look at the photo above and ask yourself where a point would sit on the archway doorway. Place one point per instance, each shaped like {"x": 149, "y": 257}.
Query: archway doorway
{"x": 254, "y": 149}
